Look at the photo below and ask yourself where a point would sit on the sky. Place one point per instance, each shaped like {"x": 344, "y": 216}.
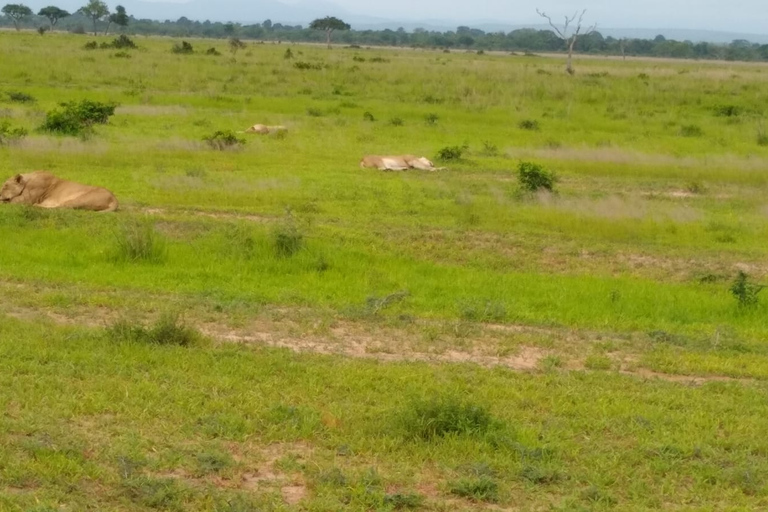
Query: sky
{"x": 733, "y": 15}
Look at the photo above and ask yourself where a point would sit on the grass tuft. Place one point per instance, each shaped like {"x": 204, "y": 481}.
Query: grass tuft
{"x": 169, "y": 329}
{"x": 139, "y": 242}
{"x": 429, "y": 419}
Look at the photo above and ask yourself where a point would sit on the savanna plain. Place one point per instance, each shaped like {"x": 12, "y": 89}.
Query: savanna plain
{"x": 270, "y": 327}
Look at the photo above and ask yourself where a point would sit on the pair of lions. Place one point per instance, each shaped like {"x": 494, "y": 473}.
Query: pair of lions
{"x": 398, "y": 163}
{"x": 45, "y": 190}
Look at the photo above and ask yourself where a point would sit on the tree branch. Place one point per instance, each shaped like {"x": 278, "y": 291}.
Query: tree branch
{"x": 557, "y": 30}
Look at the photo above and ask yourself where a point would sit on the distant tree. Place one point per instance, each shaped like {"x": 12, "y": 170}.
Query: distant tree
{"x": 569, "y": 39}
{"x": 235, "y": 44}
{"x": 329, "y": 24}
{"x": 229, "y": 29}
{"x": 119, "y": 18}
{"x": 267, "y": 24}
{"x": 16, "y": 12}
{"x": 96, "y": 10}
{"x": 54, "y": 14}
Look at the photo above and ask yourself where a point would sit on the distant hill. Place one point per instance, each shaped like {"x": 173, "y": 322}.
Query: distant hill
{"x": 301, "y": 13}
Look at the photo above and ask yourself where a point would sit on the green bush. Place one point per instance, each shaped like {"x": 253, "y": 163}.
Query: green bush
{"x": 224, "y": 139}
{"x": 397, "y": 121}
{"x": 745, "y": 292}
{"x": 76, "y": 117}
{"x": 169, "y": 329}
{"x": 20, "y": 97}
{"x": 428, "y": 419}
{"x": 533, "y": 177}
{"x": 123, "y": 43}
{"x": 451, "y": 153}
{"x": 691, "y": 130}
{"x": 10, "y": 135}
{"x": 728, "y": 110}
{"x": 183, "y": 48}
{"x": 288, "y": 240}
{"x": 431, "y": 119}
{"x": 212, "y": 51}
{"x": 529, "y": 124}
{"x": 307, "y": 65}
{"x": 367, "y": 116}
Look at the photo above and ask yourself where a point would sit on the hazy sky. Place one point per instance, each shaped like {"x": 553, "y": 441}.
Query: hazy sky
{"x": 735, "y": 15}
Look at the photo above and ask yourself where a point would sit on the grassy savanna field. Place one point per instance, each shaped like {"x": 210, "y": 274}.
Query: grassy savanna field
{"x": 579, "y": 350}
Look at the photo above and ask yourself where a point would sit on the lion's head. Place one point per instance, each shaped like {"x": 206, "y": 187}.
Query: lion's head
{"x": 12, "y": 188}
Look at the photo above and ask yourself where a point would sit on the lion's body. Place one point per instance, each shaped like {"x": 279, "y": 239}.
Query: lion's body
{"x": 397, "y": 163}
{"x": 45, "y": 190}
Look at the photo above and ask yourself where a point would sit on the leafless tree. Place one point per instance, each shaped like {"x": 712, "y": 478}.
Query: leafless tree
{"x": 568, "y": 34}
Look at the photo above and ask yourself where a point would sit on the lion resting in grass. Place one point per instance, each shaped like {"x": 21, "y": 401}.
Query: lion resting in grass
{"x": 398, "y": 163}
{"x": 45, "y": 190}
{"x": 263, "y": 129}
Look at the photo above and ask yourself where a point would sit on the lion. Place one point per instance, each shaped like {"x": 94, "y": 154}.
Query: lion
{"x": 398, "y": 163}
{"x": 263, "y": 129}
{"x": 43, "y": 189}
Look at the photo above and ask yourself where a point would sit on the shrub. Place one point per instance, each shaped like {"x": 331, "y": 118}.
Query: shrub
{"x": 367, "y": 116}
{"x": 451, "y": 153}
{"x": 138, "y": 241}
{"x": 396, "y": 121}
{"x": 490, "y": 149}
{"x": 314, "y": 112}
{"x": 287, "y": 238}
{"x": 478, "y": 489}
{"x": 91, "y": 45}
{"x": 432, "y": 100}
{"x": 212, "y": 51}
{"x": 744, "y": 291}
{"x": 183, "y": 48}
{"x": 307, "y": 65}
{"x": 533, "y": 177}
{"x": 443, "y": 416}
{"x": 224, "y": 139}
{"x": 288, "y": 54}
{"x": 529, "y": 124}
{"x": 122, "y": 55}
{"x": 20, "y": 97}
{"x": 358, "y": 58}
{"x": 123, "y": 43}
{"x": 431, "y": 119}
{"x": 10, "y": 135}
{"x": 169, "y": 329}
{"x": 727, "y": 110}
{"x": 42, "y": 30}
{"x": 378, "y": 59}
{"x": 691, "y": 130}
{"x": 76, "y": 117}
{"x": 399, "y": 501}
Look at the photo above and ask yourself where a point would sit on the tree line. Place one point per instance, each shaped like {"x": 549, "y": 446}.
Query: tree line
{"x": 96, "y": 16}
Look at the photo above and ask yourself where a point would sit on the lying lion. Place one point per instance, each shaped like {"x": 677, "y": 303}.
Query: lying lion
{"x": 398, "y": 163}
{"x": 263, "y": 129}
{"x": 45, "y": 190}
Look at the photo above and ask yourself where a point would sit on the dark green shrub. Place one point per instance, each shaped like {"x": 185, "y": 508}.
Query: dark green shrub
{"x": 397, "y": 121}
{"x": 358, "y": 58}
{"x": 91, "y": 45}
{"x": 288, "y": 240}
{"x": 431, "y": 119}
{"x": 691, "y": 130}
{"x": 123, "y": 42}
{"x": 745, "y": 291}
{"x": 212, "y": 51}
{"x": 728, "y": 110}
{"x": 288, "y": 55}
{"x": 307, "y": 65}
{"x": 122, "y": 55}
{"x": 451, "y": 153}
{"x": 224, "y": 139}
{"x": 314, "y": 112}
{"x": 428, "y": 419}
{"x": 169, "y": 329}
{"x": 490, "y": 149}
{"x": 533, "y": 177}
{"x": 529, "y": 124}
{"x": 20, "y": 97}
{"x": 478, "y": 489}
{"x": 378, "y": 59}
{"x": 367, "y": 116}
{"x": 76, "y": 117}
{"x": 183, "y": 48}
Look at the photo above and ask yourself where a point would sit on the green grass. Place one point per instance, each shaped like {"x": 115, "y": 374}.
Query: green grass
{"x": 628, "y": 267}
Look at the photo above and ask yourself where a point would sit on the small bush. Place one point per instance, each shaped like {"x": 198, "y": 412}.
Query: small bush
{"x": 183, "y": 48}
{"x": 287, "y": 238}
{"x": 533, "y": 177}
{"x": 138, "y": 241}
{"x": 10, "y": 135}
{"x": 490, "y": 149}
{"x": 42, "y": 30}
{"x": 123, "y": 42}
{"x": 728, "y": 110}
{"x": 400, "y": 501}
{"x": 212, "y": 51}
{"x": 91, "y": 45}
{"x": 288, "y": 55}
{"x": 478, "y": 489}
{"x": 431, "y": 119}
{"x": 314, "y": 112}
{"x": 450, "y": 153}
{"x": 307, "y": 65}
{"x": 76, "y": 117}
{"x": 20, "y": 97}
{"x": 122, "y": 55}
{"x": 378, "y": 59}
{"x": 643, "y": 76}
{"x": 439, "y": 417}
{"x": 691, "y": 130}
{"x": 745, "y": 292}
{"x": 367, "y": 116}
{"x": 169, "y": 329}
{"x": 357, "y": 58}
{"x": 529, "y": 124}
{"x": 432, "y": 100}
{"x": 397, "y": 121}
{"x": 224, "y": 139}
